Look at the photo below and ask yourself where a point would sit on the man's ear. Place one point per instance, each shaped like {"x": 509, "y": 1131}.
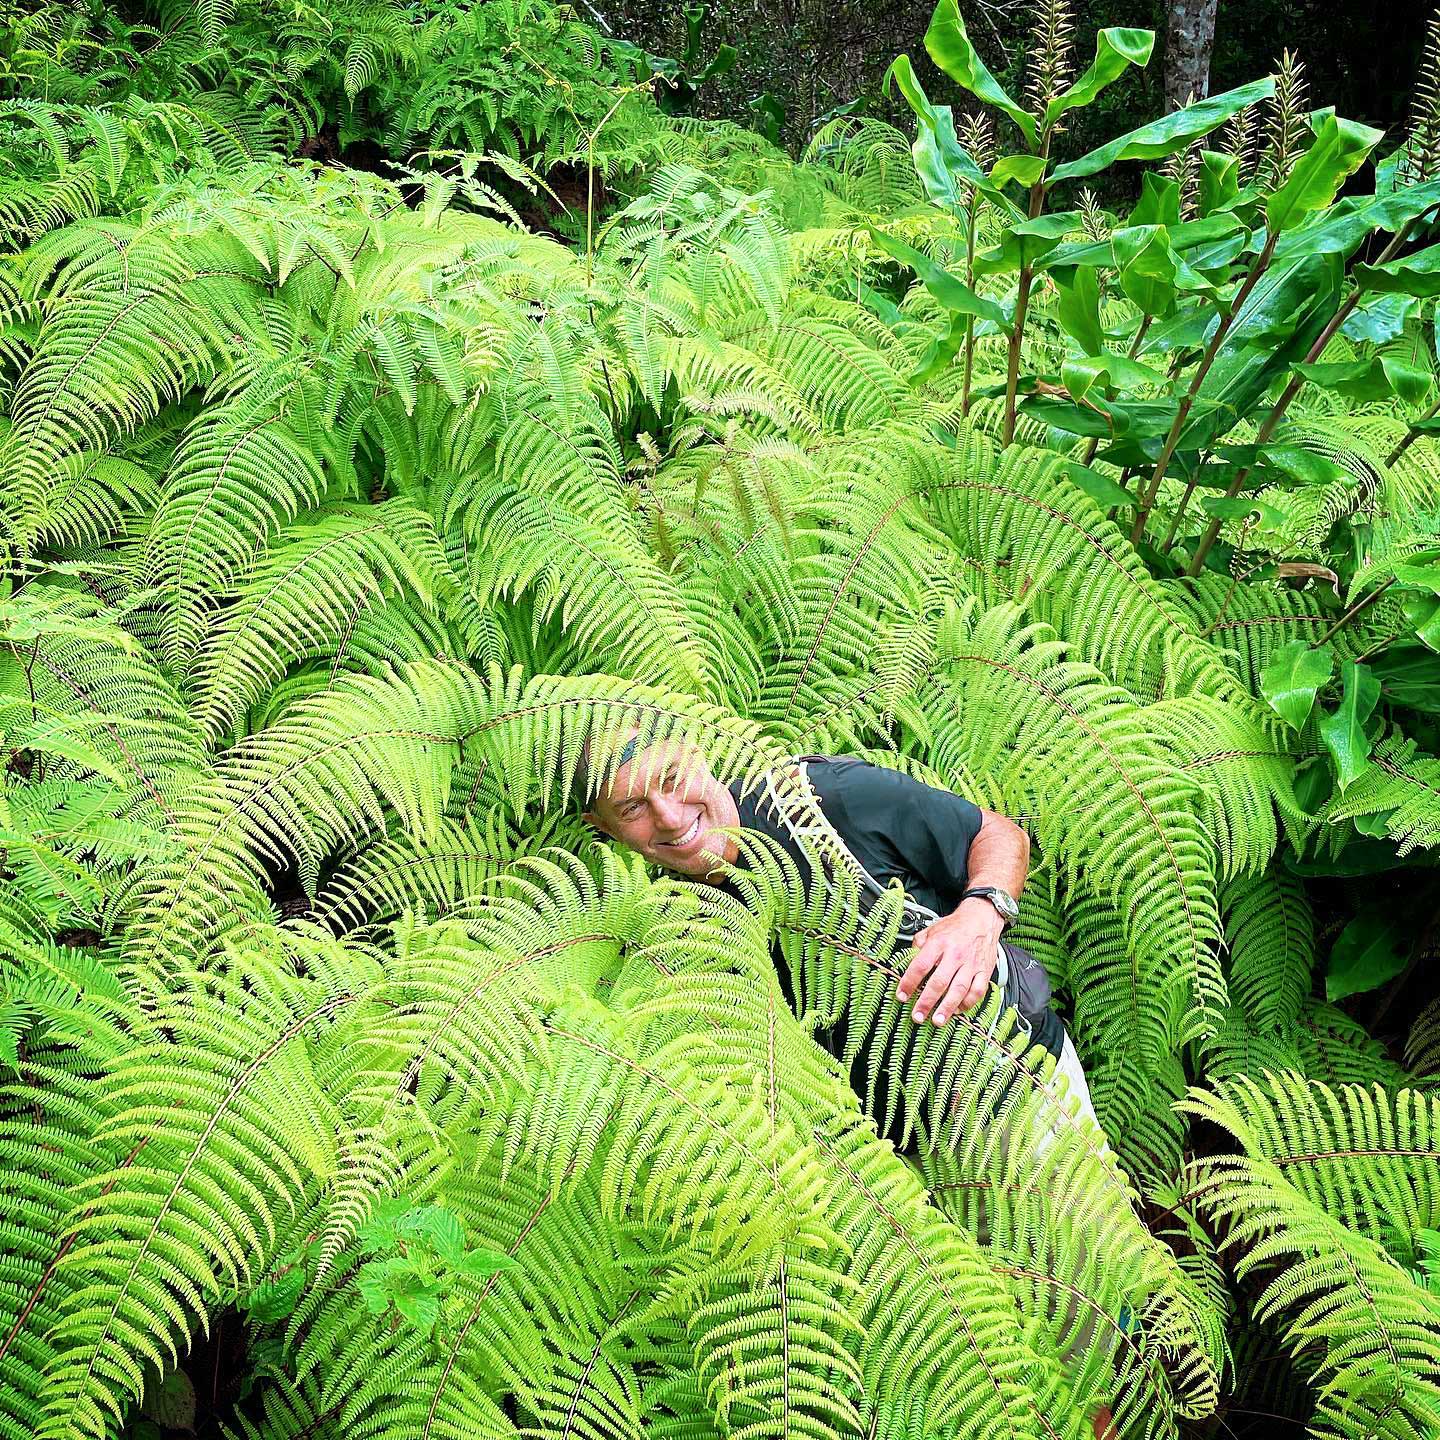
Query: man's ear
{"x": 594, "y": 822}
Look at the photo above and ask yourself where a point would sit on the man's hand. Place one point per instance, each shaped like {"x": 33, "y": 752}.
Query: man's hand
{"x": 958, "y": 954}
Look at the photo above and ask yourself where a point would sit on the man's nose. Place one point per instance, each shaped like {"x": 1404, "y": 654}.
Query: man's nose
{"x": 668, "y": 809}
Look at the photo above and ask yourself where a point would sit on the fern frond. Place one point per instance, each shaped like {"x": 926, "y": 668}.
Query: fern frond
{"x": 222, "y": 1106}
{"x": 235, "y": 479}
{"x": 1337, "y": 1289}
{"x": 1271, "y": 935}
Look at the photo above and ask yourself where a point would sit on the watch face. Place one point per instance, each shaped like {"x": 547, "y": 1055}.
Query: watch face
{"x": 1005, "y": 904}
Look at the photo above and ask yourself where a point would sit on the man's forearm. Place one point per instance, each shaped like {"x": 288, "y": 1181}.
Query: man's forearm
{"x": 954, "y": 958}
{"x": 999, "y": 855}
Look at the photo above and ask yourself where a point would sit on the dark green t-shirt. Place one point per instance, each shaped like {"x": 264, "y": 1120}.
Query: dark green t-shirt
{"x": 897, "y": 828}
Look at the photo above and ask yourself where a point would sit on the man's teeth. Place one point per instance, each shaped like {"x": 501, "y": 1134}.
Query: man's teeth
{"x": 688, "y": 836}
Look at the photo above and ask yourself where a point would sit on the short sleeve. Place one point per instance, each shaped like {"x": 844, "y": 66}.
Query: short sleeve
{"x": 896, "y": 824}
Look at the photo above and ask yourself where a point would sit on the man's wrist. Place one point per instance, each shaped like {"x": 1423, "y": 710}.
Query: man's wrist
{"x": 977, "y": 909}
{"x": 999, "y": 902}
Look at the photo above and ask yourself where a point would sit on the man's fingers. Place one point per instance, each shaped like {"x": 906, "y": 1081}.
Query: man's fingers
{"x": 914, "y": 976}
{"x": 966, "y": 989}
{"x": 935, "y": 988}
{"x": 922, "y": 963}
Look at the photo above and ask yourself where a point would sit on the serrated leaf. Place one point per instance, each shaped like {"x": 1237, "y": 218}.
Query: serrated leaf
{"x": 275, "y": 1299}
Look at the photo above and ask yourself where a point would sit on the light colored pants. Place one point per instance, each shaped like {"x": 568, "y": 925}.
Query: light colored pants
{"x": 1068, "y": 1065}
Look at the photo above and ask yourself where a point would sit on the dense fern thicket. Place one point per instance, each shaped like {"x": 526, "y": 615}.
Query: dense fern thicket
{"x": 349, "y": 1087}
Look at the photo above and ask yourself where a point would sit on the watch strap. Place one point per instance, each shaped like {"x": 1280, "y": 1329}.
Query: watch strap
{"x": 989, "y": 892}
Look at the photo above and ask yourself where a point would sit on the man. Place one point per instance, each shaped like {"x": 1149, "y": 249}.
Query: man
{"x": 965, "y": 864}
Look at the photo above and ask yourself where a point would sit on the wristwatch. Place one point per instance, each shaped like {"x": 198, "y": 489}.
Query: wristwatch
{"x": 1006, "y": 906}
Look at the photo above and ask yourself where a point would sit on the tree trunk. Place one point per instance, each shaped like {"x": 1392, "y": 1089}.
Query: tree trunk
{"x": 1189, "y": 40}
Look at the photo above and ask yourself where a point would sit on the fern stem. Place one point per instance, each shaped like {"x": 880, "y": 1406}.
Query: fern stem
{"x": 1172, "y": 439}
{"x": 65, "y": 1245}
{"x": 590, "y": 186}
{"x": 1235, "y": 579}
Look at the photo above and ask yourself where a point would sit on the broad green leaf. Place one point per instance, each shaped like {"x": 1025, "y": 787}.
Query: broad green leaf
{"x": 1293, "y": 678}
{"x": 1417, "y": 274}
{"x": 1192, "y": 238}
{"x": 1409, "y": 381}
{"x": 1343, "y": 731}
{"x": 420, "y": 1305}
{"x": 946, "y": 169}
{"x": 941, "y": 351}
{"x": 1354, "y": 379}
{"x": 1380, "y": 319}
{"x": 1370, "y": 379}
{"x": 1115, "y": 51}
{"x": 1078, "y": 308}
{"x": 882, "y": 305}
{"x": 953, "y": 294}
{"x": 1237, "y": 507}
{"x": 1422, "y": 604}
{"x": 482, "y": 1264}
{"x": 1148, "y": 267}
{"x": 1409, "y": 676}
{"x": 1081, "y": 373}
{"x": 949, "y": 47}
{"x": 1422, "y": 614}
{"x": 1168, "y": 134}
{"x": 1219, "y": 181}
{"x": 1159, "y": 202}
{"x": 1100, "y": 488}
{"x": 1348, "y": 221}
{"x": 1279, "y": 321}
{"x": 1017, "y": 169}
{"x": 1338, "y": 150}
{"x": 171, "y": 1403}
{"x": 1373, "y": 948}
{"x": 1305, "y": 466}
{"x": 722, "y": 64}
{"x": 1026, "y": 242}
{"x": 1104, "y": 419}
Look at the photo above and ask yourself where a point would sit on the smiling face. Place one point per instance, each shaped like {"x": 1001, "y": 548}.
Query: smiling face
{"x": 664, "y": 802}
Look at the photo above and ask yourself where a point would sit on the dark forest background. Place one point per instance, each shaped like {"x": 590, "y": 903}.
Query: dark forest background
{"x": 812, "y": 55}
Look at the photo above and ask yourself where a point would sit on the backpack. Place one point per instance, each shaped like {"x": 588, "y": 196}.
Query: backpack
{"x": 1019, "y": 976}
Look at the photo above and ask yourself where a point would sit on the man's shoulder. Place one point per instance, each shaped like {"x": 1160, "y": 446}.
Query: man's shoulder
{"x": 846, "y": 779}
